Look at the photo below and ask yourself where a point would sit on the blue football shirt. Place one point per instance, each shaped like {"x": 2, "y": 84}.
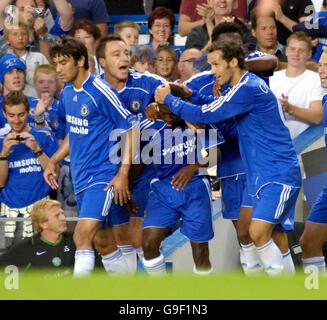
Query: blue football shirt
{"x": 94, "y": 119}
{"x": 25, "y": 183}
{"x": 265, "y": 143}
{"x": 175, "y": 148}
{"x": 231, "y": 162}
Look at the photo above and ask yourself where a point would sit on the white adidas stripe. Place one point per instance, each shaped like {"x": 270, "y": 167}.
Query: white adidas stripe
{"x": 107, "y": 202}
{"x": 284, "y": 196}
{"x": 119, "y": 106}
{"x": 108, "y": 89}
{"x": 216, "y": 104}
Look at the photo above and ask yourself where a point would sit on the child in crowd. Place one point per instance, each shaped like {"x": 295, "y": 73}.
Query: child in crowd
{"x": 142, "y": 58}
{"x": 45, "y": 84}
{"x": 18, "y": 40}
{"x": 129, "y": 31}
{"x": 166, "y": 62}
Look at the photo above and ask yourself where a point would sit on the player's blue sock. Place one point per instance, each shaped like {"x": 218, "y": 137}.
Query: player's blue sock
{"x": 84, "y": 262}
{"x": 155, "y": 266}
{"x": 271, "y": 258}
{"x": 288, "y": 263}
{"x": 115, "y": 263}
{"x": 318, "y": 262}
{"x": 202, "y": 272}
{"x": 129, "y": 254}
{"x": 250, "y": 259}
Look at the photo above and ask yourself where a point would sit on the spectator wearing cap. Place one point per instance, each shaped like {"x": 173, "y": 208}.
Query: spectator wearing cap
{"x": 12, "y": 78}
{"x": 17, "y": 39}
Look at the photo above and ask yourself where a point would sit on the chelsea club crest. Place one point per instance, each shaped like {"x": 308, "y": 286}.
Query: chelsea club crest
{"x": 84, "y": 110}
{"x": 135, "y": 105}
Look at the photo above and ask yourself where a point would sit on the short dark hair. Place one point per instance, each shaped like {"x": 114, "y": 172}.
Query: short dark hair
{"x": 257, "y": 13}
{"x": 177, "y": 91}
{"x": 71, "y": 47}
{"x": 230, "y": 50}
{"x": 160, "y": 13}
{"x": 14, "y": 98}
{"x": 226, "y": 27}
{"x": 101, "y": 48}
{"x": 324, "y": 3}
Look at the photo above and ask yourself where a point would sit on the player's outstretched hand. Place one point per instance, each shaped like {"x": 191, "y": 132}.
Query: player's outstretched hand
{"x": 161, "y": 93}
{"x": 152, "y": 111}
{"x": 121, "y": 191}
{"x": 50, "y": 175}
{"x": 184, "y": 176}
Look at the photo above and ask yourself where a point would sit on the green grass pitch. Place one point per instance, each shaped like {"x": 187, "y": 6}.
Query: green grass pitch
{"x": 171, "y": 287}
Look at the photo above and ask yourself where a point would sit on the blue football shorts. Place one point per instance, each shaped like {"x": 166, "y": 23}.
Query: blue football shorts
{"x": 275, "y": 203}
{"x": 166, "y": 206}
{"x": 318, "y": 213}
{"x": 234, "y": 195}
{"x": 94, "y": 203}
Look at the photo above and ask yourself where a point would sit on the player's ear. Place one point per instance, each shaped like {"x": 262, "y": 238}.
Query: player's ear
{"x": 81, "y": 62}
{"x": 102, "y": 62}
{"x": 253, "y": 33}
{"x": 234, "y": 63}
{"x": 44, "y": 225}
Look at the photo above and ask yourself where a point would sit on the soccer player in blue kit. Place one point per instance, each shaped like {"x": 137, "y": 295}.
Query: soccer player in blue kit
{"x": 135, "y": 91}
{"x": 178, "y": 191}
{"x": 236, "y": 203}
{"x": 315, "y": 230}
{"x": 93, "y": 111}
{"x": 271, "y": 165}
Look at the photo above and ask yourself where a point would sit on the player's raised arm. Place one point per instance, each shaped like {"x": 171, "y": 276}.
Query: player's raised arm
{"x": 232, "y": 104}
